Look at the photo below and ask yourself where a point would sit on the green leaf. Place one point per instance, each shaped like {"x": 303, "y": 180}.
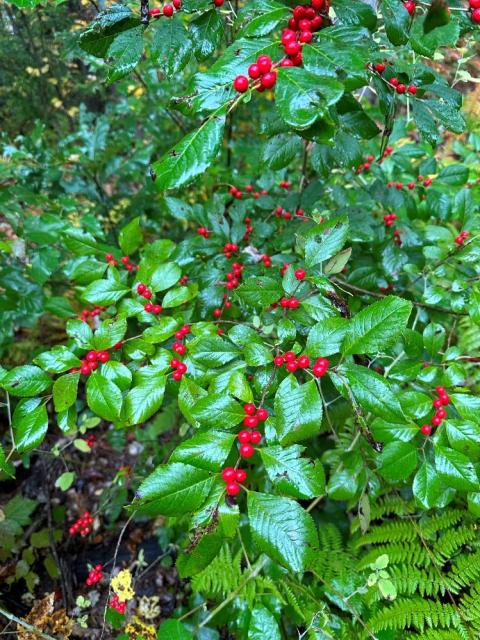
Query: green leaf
{"x": 263, "y": 625}
{"x": 81, "y": 445}
{"x": 101, "y": 32}
{"x": 302, "y": 97}
{"x": 118, "y": 373}
{"x": 146, "y": 396}
{"x": 371, "y": 391}
{"x": 165, "y": 276}
{"x": 397, "y": 21}
{"x": 291, "y": 474}
{"x": 356, "y": 13}
{"x": 337, "y": 263}
{"x": 257, "y": 355}
{"x": 282, "y": 529}
{"x": 80, "y": 331}
{"x": 25, "y": 381}
{"x": 179, "y": 295}
{"x": 464, "y": 436}
{"x": 170, "y": 47}
{"x": 30, "y": 423}
{"x": 109, "y": 333}
{"x": 58, "y": 360}
{"x": 65, "y": 391}
{"x": 192, "y": 155}
{"x": 438, "y": 15}
{"x": 260, "y": 292}
{"x": 397, "y": 461}
{"x": 193, "y": 561}
{"x": 173, "y": 629}
{"x": 455, "y": 469}
{"x": 206, "y": 32}
{"x": 104, "y": 397}
{"x": 377, "y": 326}
{"x": 298, "y": 410}
{"x": 427, "y": 486}
{"x": 125, "y": 52}
{"x": 105, "y": 292}
{"x": 280, "y": 150}
{"x": 173, "y": 489}
{"x": 162, "y": 330}
{"x": 218, "y": 412}
{"x": 213, "y": 351}
{"x": 326, "y": 337}
{"x": 65, "y": 481}
{"x": 267, "y": 17}
{"x": 325, "y": 240}
{"x": 467, "y": 405}
{"x": 206, "y": 450}
{"x": 130, "y": 236}
{"x": 454, "y": 174}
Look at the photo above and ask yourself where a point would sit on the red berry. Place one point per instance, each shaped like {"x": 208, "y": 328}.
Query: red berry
{"x": 254, "y": 73}
{"x": 264, "y": 63}
{"x": 292, "y": 48}
{"x": 240, "y": 475}
{"x": 409, "y": 6}
{"x": 174, "y": 362}
{"x": 441, "y": 413}
{"x": 148, "y": 307}
{"x": 217, "y": 313}
{"x": 244, "y": 436}
{"x": 411, "y": 89}
{"x": 232, "y": 488}
{"x": 255, "y": 437}
{"x": 125, "y": 260}
{"x": 475, "y": 16}
{"x": 379, "y": 67}
{"x": 177, "y": 4}
{"x": 306, "y": 36}
{"x": 228, "y": 474}
{"x": 445, "y": 399}
{"x": 104, "y": 356}
{"x": 278, "y": 361}
{"x": 286, "y": 62}
{"x": 262, "y": 415}
{"x": 154, "y": 12}
{"x": 168, "y": 10}
{"x": 394, "y": 81}
{"x": 218, "y": 3}
{"x": 291, "y": 366}
{"x": 157, "y": 309}
{"x": 440, "y": 390}
{"x": 91, "y": 356}
{"x": 437, "y": 403}
{"x": 147, "y": 294}
{"x": 289, "y": 356}
{"x": 250, "y": 421}
{"x": 474, "y": 4}
{"x": 85, "y": 369}
{"x": 269, "y": 79}
{"x": 241, "y": 84}
{"x": 141, "y": 288}
{"x": 293, "y": 303}
{"x": 246, "y": 451}
{"x": 303, "y": 362}
{"x": 177, "y": 375}
{"x": 182, "y": 367}
{"x": 179, "y": 348}
{"x": 249, "y": 409}
{"x": 401, "y": 88}
{"x": 436, "y": 421}
{"x": 426, "y": 429}
{"x": 300, "y": 274}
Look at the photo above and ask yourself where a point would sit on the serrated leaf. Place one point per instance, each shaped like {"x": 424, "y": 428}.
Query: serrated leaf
{"x": 105, "y": 292}
{"x": 218, "y": 412}
{"x": 298, "y": 411}
{"x": 213, "y": 351}
{"x": 65, "y": 391}
{"x": 262, "y": 291}
{"x": 104, "y": 397}
{"x": 325, "y": 240}
{"x": 206, "y": 450}
{"x": 427, "y": 486}
{"x": 130, "y": 236}
{"x": 291, "y": 474}
{"x": 263, "y": 625}
{"x": 377, "y": 326}
{"x": 109, "y": 333}
{"x": 455, "y": 469}
{"x": 58, "y": 360}
{"x": 25, "y": 381}
{"x": 146, "y": 396}
{"x": 282, "y": 529}
{"x": 397, "y": 461}
{"x": 171, "y": 46}
{"x": 165, "y": 276}
{"x": 30, "y": 423}
{"x": 326, "y": 337}
{"x": 173, "y": 489}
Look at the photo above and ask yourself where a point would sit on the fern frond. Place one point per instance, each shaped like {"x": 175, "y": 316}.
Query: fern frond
{"x": 439, "y": 522}
{"x": 389, "y": 532}
{"x": 451, "y": 541}
{"x": 465, "y": 571}
{"x": 408, "y": 580}
{"x": 222, "y": 576}
{"x": 470, "y": 606}
{"x": 413, "y": 553}
{"x": 417, "y": 613}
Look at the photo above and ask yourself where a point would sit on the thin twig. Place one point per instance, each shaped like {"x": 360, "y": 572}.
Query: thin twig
{"x": 26, "y": 625}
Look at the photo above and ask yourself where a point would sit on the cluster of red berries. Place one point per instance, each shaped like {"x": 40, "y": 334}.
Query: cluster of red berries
{"x": 180, "y": 368}
{"x": 440, "y": 414}
{"x": 400, "y": 87}
{"x": 266, "y": 260}
{"x": 234, "y": 276}
{"x": 287, "y": 303}
{"x": 248, "y": 229}
{"x": 182, "y": 332}
{"x": 255, "y": 194}
{"x": 389, "y": 287}
{"x": 460, "y": 239}
{"x": 388, "y": 152}
{"x": 117, "y": 604}
{"x": 365, "y": 166}
{"x": 85, "y": 313}
{"x": 396, "y": 238}
{"x": 168, "y": 9}
{"x": 233, "y": 191}
{"x": 474, "y": 6}
{"x": 292, "y": 363}
{"x": 183, "y": 280}
{"x": 262, "y": 71}
{"x": 389, "y": 219}
{"x": 232, "y": 477}
{"x": 125, "y": 260}
{"x": 179, "y": 348}
{"x": 95, "y": 575}
{"x": 149, "y": 307}
{"x": 82, "y": 525}
{"x": 91, "y": 361}
{"x": 249, "y": 436}
{"x": 90, "y": 440}
{"x": 203, "y": 231}
{"x": 229, "y": 249}
{"x": 285, "y": 184}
